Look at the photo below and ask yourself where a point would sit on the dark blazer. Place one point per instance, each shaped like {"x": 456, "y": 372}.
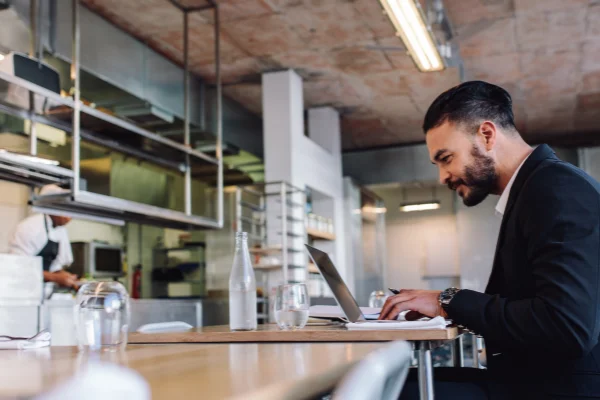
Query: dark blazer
{"x": 540, "y": 313}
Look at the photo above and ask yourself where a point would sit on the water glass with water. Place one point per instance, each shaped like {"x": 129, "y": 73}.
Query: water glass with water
{"x": 102, "y": 313}
{"x": 291, "y": 306}
{"x": 377, "y": 298}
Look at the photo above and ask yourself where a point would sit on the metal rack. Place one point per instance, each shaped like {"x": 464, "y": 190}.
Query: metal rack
{"x": 41, "y": 100}
{"x": 160, "y": 260}
{"x": 273, "y": 215}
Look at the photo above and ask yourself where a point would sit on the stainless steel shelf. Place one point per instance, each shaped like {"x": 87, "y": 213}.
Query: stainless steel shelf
{"x": 251, "y": 206}
{"x": 58, "y": 100}
{"x": 146, "y": 133}
{"x": 119, "y": 209}
{"x": 250, "y": 191}
{"x": 294, "y": 235}
{"x": 31, "y": 170}
{"x": 251, "y": 221}
{"x": 293, "y": 204}
{"x": 292, "y": 219}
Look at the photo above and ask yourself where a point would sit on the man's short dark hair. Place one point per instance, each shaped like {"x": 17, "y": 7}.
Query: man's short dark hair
{"x": 470, "y": 103}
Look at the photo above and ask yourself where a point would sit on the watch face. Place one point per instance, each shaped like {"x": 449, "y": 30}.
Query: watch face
{"x": 447, "y": 295}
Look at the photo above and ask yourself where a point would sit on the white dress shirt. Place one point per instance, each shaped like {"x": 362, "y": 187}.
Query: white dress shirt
{"x": 501, "y": 206}
{"x": 30, "y": 237}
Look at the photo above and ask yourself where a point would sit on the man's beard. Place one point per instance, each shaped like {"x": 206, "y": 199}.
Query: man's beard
{"x": 480, "y": 178}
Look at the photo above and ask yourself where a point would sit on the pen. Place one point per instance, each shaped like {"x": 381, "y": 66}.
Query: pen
{"x": 395, "y": 291}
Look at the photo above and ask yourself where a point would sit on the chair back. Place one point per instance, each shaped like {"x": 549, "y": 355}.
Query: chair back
{"x": 379, "y": 376}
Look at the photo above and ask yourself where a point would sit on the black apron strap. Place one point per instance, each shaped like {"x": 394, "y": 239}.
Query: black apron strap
{"x": 50, "y": 250}
{"x": 46, "y": 226}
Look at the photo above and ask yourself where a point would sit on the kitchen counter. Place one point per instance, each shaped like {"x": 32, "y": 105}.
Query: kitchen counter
{"x": 210, "y": 371}
{"x": 57, "y": 315}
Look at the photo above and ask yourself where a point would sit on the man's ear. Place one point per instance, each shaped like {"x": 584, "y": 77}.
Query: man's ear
{"x": 488, "y": 133}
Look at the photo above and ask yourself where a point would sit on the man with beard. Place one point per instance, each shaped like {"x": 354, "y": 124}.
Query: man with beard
{"x": 540, "y": 313}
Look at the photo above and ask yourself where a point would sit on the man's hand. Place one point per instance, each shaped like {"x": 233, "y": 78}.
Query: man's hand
{"x": 63, "y": 278}
{"x": 425, "y": 302}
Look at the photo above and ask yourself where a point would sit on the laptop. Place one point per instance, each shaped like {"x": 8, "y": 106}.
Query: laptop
{"x": 339, "y": 289}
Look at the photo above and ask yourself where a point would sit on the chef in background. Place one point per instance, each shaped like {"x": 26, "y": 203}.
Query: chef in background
{"x": 46, "y": 236}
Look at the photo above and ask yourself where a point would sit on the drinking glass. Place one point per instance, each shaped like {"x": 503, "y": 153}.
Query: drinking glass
{"x": 291, "y": 306}
{"x": 377, "y": 298}
{"x": 102, "y": 316}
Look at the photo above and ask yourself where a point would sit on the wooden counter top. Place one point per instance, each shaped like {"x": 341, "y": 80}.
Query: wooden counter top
{"x": 211, "y": 371}
{"x": 270, "y": 333}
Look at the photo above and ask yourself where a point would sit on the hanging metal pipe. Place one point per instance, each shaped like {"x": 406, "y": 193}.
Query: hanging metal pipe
{"x": 33, "y": 37}
{"x": 38, "y": 39}
{"x": 75, "y": 80}
{"x": 33, "y": 10}
{"x": 186, "y": 114}
{"x": 219, "y": 152}
{"x": 284, "y": 233}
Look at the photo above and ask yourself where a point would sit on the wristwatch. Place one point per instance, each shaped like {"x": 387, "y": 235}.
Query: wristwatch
{"x": 446, "y": 297}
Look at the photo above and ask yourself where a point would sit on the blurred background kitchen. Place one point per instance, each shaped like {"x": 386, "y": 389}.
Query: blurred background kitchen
{"x": 172, "y": 128}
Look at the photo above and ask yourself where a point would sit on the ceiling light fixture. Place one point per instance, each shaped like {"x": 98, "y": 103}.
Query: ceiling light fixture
{"x": 410, "y": 24}
{"x": 374, "y": 210}
{"x": 432, "y": 204}
{"x": 409, "y": 207}
{"x": 1, "y": 56}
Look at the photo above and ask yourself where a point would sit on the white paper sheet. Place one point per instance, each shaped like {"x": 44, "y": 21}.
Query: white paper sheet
{"x": 434, "y": 323}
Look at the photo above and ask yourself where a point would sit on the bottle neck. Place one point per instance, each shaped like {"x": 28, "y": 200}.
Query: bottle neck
{"x": 241, "y": 244}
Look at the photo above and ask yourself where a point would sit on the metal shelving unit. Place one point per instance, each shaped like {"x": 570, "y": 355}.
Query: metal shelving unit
{"x": 42, "y": 101}
{"x": 273, "y": 215}
{"x": 161, "y": 260}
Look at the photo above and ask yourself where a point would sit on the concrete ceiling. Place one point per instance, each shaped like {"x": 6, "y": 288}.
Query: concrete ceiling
{"x": 546, "y": 53}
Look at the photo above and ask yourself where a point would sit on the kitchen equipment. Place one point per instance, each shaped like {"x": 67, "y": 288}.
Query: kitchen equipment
{"x": 21, "y": 295}
{"x": 97, "y": 260}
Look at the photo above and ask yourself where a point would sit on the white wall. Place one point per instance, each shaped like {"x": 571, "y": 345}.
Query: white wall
{"x": 478, "y": 229}
{"x": 590, "y": 161}
{"x": 13, "y": 208}
{"x": 455, "y": 240}
{"x": 87, "y": 231}
{"x": 422, "y": 247}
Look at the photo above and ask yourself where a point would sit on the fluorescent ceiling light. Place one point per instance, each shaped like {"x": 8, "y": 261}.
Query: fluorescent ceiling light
{"x": 433, "y": 205}
{"x": 1, "y": 56}
{"x": 411, "y": 27}
{"x": 374, "y": 210}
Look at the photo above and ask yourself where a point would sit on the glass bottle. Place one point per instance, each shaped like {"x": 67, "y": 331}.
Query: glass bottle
{"x": 242, "y": 288}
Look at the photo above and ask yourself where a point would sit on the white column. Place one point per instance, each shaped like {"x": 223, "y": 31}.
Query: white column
{"x": 283, "y": 124}
{"x": 283, "y": 127}
{"x": 324, "y": 129}
{"x": 313, "y": 161}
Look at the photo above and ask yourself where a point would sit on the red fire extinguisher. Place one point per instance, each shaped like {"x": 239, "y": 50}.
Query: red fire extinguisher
{"x": 136, "y": 285}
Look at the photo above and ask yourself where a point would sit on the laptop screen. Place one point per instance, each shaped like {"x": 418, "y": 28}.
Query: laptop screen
{"x": 336, "y": 284}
